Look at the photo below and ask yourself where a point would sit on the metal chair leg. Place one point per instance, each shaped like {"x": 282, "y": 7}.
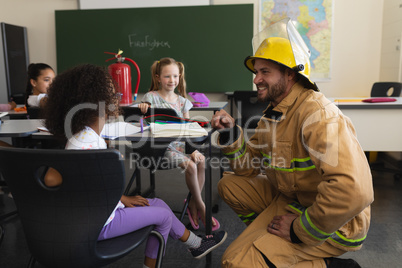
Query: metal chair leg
{"x": 32, "y": 262}
{"x": 183, "y": 212}
{"x": 1, "y": 233}
{"x": 161, "y": 249}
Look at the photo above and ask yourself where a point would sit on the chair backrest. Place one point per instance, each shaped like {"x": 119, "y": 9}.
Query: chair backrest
{"x": 249, "y": 110}
{"x": 386, "y": 89}
{"x": 62, "y": 224}
{"x": 34, "y": 113}
{"x": 131, "y": 114}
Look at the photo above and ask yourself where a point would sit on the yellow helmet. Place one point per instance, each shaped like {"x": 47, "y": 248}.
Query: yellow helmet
{"x": 281, "y": 43}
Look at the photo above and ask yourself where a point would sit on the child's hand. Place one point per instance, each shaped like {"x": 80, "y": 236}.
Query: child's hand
{"x": 144, "y": 107}
{"x": 134, "y": 201}
{"x": 197, "y": 157}
{"x": 13, "y": 105}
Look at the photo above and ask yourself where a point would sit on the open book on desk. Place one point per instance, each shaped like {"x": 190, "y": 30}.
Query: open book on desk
{"x": 114, "y": 130}
{"x": 177, "y": 129}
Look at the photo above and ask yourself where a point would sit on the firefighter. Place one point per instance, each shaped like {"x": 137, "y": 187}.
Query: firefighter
{"x": 302, "y": 182}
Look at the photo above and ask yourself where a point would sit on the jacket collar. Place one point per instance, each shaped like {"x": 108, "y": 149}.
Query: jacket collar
{"x": 278, "y": 113}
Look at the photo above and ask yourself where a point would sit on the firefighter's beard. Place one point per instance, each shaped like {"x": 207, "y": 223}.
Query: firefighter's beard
{"x": 273, "y": 92}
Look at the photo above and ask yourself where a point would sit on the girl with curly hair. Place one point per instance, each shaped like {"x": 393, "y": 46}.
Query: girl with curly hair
{"x": 80, "y": 100}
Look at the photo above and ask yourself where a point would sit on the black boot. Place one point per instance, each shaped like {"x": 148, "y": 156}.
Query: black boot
{"x": 342, "y": 263}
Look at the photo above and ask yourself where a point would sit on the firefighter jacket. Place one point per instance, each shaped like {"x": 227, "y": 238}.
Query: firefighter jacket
{"x": 309, "y": 151}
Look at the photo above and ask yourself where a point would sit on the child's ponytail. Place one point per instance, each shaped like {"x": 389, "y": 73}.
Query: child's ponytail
{"x": 155, "y": 73}
{"x": 182, "y": 81}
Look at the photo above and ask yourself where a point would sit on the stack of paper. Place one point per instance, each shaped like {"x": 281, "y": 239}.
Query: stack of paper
{"x": 176, "y": 130}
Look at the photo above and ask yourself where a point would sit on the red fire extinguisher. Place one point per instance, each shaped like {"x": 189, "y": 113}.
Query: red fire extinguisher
{"x": 120, "y": 73}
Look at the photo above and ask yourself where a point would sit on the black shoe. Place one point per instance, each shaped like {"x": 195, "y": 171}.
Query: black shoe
{"x": 342, "y": 263}
{"x": 208, "y": 243}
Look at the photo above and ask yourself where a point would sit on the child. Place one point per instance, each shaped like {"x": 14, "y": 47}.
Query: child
{"x": 167, "y": 74}
{"x": 85, "y": 90}
{"x": 40, "y": 76}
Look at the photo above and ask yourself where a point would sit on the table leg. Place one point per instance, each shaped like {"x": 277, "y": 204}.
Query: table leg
{"x": 208, "y": 195}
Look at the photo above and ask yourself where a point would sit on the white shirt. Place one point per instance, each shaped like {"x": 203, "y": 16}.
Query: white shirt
{"x": 88, "y": 139}
{"x": 34, "y": 100}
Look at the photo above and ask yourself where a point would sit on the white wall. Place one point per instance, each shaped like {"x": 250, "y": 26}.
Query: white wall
{"x": 391, "y": 41}
{"x": 391, "y": 50}
{"x": 38, "y": 17}
{"x": 356, "y": 44}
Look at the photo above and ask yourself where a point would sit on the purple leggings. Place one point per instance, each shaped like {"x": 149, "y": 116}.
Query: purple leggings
{"x": 158, "y": 213}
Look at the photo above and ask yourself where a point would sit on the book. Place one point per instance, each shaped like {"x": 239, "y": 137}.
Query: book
{"x": 379, "y": 99}
{"x": 112, "y": 130}
{"x": 118, "y": 129}
{"x": 192, "y": 129}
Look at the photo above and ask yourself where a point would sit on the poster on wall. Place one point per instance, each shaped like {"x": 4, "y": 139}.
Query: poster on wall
{"x": 102, "y": 4}
{"x": 313, "y": 20}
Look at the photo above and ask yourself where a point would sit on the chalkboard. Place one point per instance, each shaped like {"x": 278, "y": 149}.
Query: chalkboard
{"x": 211, "y": 41}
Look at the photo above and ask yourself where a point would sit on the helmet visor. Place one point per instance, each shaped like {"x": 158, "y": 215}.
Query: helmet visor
{"x": 285, "y": 29}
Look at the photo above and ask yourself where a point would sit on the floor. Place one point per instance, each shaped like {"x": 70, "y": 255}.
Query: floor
{"x": 383, "y": 247}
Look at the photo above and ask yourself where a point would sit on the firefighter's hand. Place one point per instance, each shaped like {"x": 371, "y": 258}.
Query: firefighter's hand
{"x": 144, "y": 107}
{"x": 221, "y": 120}
{"x": 280, "y": 225}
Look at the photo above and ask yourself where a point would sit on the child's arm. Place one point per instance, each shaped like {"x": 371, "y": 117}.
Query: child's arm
{"x": 186, "y": 115}
{"x": 144, "y": 106}
{"x": 52, "y": 178}
{"x": 134, "y": 201}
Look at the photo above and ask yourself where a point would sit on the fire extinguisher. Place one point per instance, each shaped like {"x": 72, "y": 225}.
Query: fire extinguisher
{"x": 120, "y": 73}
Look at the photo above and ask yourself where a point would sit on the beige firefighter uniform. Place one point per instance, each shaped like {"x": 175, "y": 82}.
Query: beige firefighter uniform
{"x": 314, "y": 167}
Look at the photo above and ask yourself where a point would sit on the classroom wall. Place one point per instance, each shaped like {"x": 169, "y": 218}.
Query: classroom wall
{"x": 356, "y": 44}
{"x": 391, "y": 51}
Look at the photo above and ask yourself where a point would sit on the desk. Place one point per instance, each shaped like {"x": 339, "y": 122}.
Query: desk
{"x": 19, "y": 128}
{"x": 213, "y": 106}
{"x": 17, "y": 115}
{"x": 378, "y": 125}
